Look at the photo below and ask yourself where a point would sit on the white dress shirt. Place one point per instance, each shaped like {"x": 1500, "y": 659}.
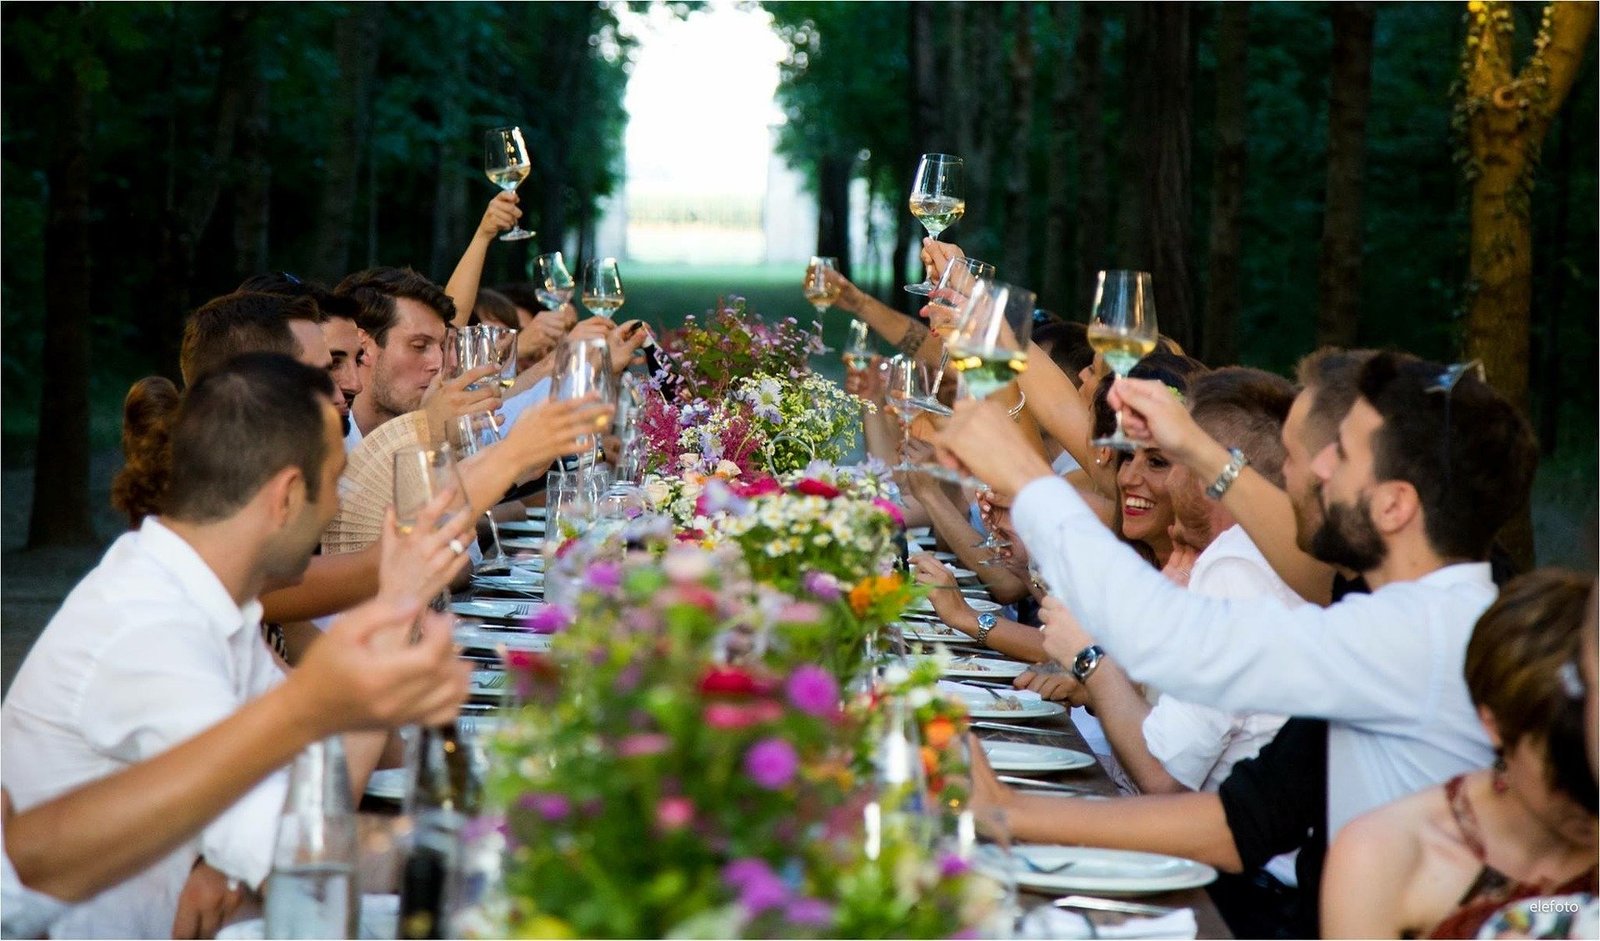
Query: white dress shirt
{"x": 1384, "y": 669}
{"x": 511, "y": 409}
{"x": 147, "y": 651}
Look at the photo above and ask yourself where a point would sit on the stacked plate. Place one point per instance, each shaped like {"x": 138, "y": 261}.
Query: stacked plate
{"x": 496, "y": 610}
{"x": 484, "y": 637}
{"x": 1011, "y": 705}
{"x": 1028, "y": 758}
{"x": 1056, "y": 869}
{"x": 981, "y": 668}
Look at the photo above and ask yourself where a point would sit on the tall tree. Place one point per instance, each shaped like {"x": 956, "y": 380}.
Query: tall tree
{"x": 1219, "y": 344}
{"x": 1350, "y": 91}
{"x": 1056, "y": 271}
{"x": 61, "y": 478}
{"x": 1169, "y": 205}
{"x": 1018, "y": 208}
{"x": 1503, "y": 115}
{"x": 1093, "y": 229}
{"x": 356, "y": 41}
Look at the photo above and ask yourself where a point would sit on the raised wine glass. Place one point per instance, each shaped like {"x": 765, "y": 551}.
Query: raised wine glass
{"x": 553, "y": 283}
{"x": 506, "y": 164}
{"x": 584, "y": 368}
{"x": 858, "y": 351}
{"x": 820, "y": 292}
{"x": 420, "y": 475}
{"x": 950, "y": 295}
{"x": 1122, "y": 329}
{"x": 602, "y": 287}
{"x": 989, "y": 345}
{"x": 937, "y": 200}
{"x": 907, "y": 385}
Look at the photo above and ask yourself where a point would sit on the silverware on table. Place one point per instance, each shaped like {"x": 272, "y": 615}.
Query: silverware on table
{"x": 1091, "y": 903}
{"x": 1006, "y": 727}
{"x": 1045, "y": 785}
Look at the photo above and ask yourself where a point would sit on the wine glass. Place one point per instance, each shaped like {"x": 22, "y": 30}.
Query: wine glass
{"x": 1122, "y": 329}
{"x": 907, "y": 386}
{"x": 602, "y": 287}
{"x": 421, "y": 475}
{"x": 503, "y": 345}
{"x": 553, "y": 283}
{"x": 858, "y": 352}
{"x": 506, "y": 164}
{"x": 820, "y": 292}
{"x": 989, "y": 345}
{"x": 954, "y": 287}
{"x": 584, "y": 368}
{"x": 936, "y": 200}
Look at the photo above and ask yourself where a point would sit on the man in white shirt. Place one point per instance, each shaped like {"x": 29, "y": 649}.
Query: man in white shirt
{"x": 1428, "y": 465}
{"x": 163, "y": 638}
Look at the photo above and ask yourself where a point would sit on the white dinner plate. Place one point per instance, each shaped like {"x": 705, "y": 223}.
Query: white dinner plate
{"x": 926, "y": 633}
{"x": 380, "y": 918}
{"x": 389, "y": 783}
{"x": 491, "y": 683}
{"x": 1100, "y": 871}
{"x": 961, "y": 574}
{"x": 522, "y": 527}
{"x": 948, "y": 558}
{"x": 985, "y": 668}
{"x": 498, "y": 610}
{"x": 978, "y": 604}
{"x": 524, "y": 544}
{"x": 1007, "y": 704}
{"x": 1028, "y": 758}
{"x": 919, "y": 532}
{"x": 536, "y": 512}
{"x": 480, "y": 637}
{"x": 518, "y": 580}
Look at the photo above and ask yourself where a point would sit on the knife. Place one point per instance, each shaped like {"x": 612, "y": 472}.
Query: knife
{"x": 1111, "y": 905}
{"x": 1044, "y": 785}
{"x": 1003, "y": 727}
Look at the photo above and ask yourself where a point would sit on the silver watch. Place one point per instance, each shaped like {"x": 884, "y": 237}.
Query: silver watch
{"x": 986, "y": 623}
{"x": 1084, "y": 665}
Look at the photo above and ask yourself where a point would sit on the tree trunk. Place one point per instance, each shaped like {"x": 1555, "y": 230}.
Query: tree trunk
{"x": 1339, "y": 271}
{"x": 1018, "y": 210}
{"x": 60, "y": 514}
{"x": 1220, "y": 346}
{"x": 252, "y": 195}
{"x": 1555, "y": 276}
{"x": 1134, "y": 175}
{"x": 833, "y": 210}
{"x": 1169, "y": 208}
{"x": 356, "y": 45}
{"x": 986, "y": 57}
{"x": 450, "y": 214}
{"x": 1055, "y": 279}
{"x": 1090, "y": 248}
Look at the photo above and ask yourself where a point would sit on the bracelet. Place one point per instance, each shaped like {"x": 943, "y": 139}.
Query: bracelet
{"x": 1236, "y": 463}
{"x": 916, "y": 334}
{"x": 1016, "y": 409}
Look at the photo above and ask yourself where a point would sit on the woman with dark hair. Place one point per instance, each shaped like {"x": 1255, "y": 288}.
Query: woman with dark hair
{"x": 1441, "y": 862}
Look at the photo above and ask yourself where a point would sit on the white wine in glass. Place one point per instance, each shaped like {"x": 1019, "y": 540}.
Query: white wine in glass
{"x": 989, "y": 345}
{"x": 820, "y": 292}
{"x": 858, "y": 353}
{"x": 937, "y": 200}
{"x": 987, "y": 372}
{"x": 506, "y": 164}
{"x": 1123, "y": 329}
{"x": 602, "y": 287}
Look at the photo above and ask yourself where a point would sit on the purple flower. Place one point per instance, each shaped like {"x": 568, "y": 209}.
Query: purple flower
{"x": 551, "y": 807}
{"x": 951, "y": 865}
{"x": 551, "y": 619}
{"x": 812, "y": 690}
{"x": 603, "y": 576}
{"x": 808, "y": 911}
{"x": 822, "y": 585}
{"x": 759, "y": 887}
{"x": 771, "y": 763}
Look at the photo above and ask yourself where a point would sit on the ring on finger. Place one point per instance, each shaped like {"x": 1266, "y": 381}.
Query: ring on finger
{"x": 457, "y": 546}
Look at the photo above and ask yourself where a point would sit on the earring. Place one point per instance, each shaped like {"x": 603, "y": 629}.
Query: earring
{"x": 1497, "y": 779}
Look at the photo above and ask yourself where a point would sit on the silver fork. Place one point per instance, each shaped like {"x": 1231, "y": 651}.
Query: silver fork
{"x": 1044, "y": 870}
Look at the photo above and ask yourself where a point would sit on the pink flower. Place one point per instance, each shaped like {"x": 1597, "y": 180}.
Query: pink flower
{"x": 771, "y": 763}
{"x": 550, "y": 619}
{"x": 759, "y": 487}
{"x": 642, "y": 743}
{"x": 822, "y": 585}
{"x": 603, "y": 576}
{"x": 759, "y": 887}
{"x": 674, "y": 813}
{"x": 551, "y": 807}
{"x": 816, "y": 488}
{"x": 893, "y": 511}
{"x": 813, "y": 691}
{"x": 723, "y": 715}
{"x": 808, "y": 911}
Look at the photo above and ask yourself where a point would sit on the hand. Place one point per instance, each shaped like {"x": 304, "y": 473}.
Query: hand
{"x": 940, "y": 318}
{"x": 1064, "y": 637}
{"x": 589, "y": 328}
{"x": 420, "y": 564}
{"x": 982, "y": 440}
{"x": 926, "y": 426}
{"x": 364, "y": 673}
{"x": 850, "y": 298}
{"x": 870, "y": 383}
{"x": 948, "y": 602}
{"x": 987, "y": 791}
{"x": 611, "y": 447}
{"x": 1181, "y": 563}
{"x": 205, "y": 902}
{"x": 544, "y": 332}
{"x": 554, "y": 428}
{"x": 1055, "y": 686}
{"x": 1151, "y": 413}
{"x": 936, "y": 255}
{"x": 626, "y": 342}
{"x": 449, "y": 399}
{"x": 501, "y": 215}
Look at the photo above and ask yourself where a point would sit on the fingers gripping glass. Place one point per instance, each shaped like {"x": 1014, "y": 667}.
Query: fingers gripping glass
{"x": 952, "y": 292}
{"x": 938, "y": 199}
{"x": 820, "y": 291}
{"x": 1122, "y": 329}
{"x": 506, "y": 164}
{"x": 583, "y": 368}
{"x": 420, "y": 476}
{"x": 553, "y": 283}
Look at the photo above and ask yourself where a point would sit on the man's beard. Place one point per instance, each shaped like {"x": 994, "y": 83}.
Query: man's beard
{"x": 1347, "y": 537}
{"x": 344, "y": 424}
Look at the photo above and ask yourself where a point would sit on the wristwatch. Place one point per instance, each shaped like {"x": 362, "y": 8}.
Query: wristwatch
{"x": 986, "y": 623}
{"x": 1087, "y": 662}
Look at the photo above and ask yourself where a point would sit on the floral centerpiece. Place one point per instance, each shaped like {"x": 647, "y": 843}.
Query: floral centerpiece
{"x": 707, "y": 354}
{"x": 672, "y": 775}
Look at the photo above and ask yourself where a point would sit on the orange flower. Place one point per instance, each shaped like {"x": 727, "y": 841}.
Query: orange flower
{"x": 930, "y": 762}
{"x": 861, "y": 598}
{"x": 939, "y": 732}
{"x": 870, "y": 590}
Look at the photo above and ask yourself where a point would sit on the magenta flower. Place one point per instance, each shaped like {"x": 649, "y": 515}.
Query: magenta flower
{"x": 643, "y": 743}
{"x": 808, "y": 911}
{"x": 812, "y": 690}
{"x": 759, "y": 887}
{"x": 674, "y": 813}
{"x": 771, "y": 763}
{"x": 951, "y": 865}
{"x": 551, "y": 619}
{"x": 822, "y": 585}
{"x": 603, "y": 576}
{"x": 551, "y": 807}
{"x": 893, "y": 511}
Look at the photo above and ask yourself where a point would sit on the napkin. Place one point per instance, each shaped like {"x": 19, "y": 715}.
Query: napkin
{"x": 1048, "y": 922}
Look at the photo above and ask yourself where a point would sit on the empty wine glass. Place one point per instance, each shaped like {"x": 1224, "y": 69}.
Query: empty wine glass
{"x": 937, "y": 200}
{"x": 584, "y": 368}
{"x": 506, "y": 164}
{"x": 820, "y": 292}
{"x": 907, "y": 386}
{"x": 421, "y": 475}
{"x": 602, "y": 287}
{"x": 1123, "y": 330}
{"x": 858, "y": 352}
{"x": 553, "y": 283}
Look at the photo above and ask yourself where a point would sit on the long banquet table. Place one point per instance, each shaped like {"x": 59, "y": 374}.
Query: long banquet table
{"x": 1093, "y": 780}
